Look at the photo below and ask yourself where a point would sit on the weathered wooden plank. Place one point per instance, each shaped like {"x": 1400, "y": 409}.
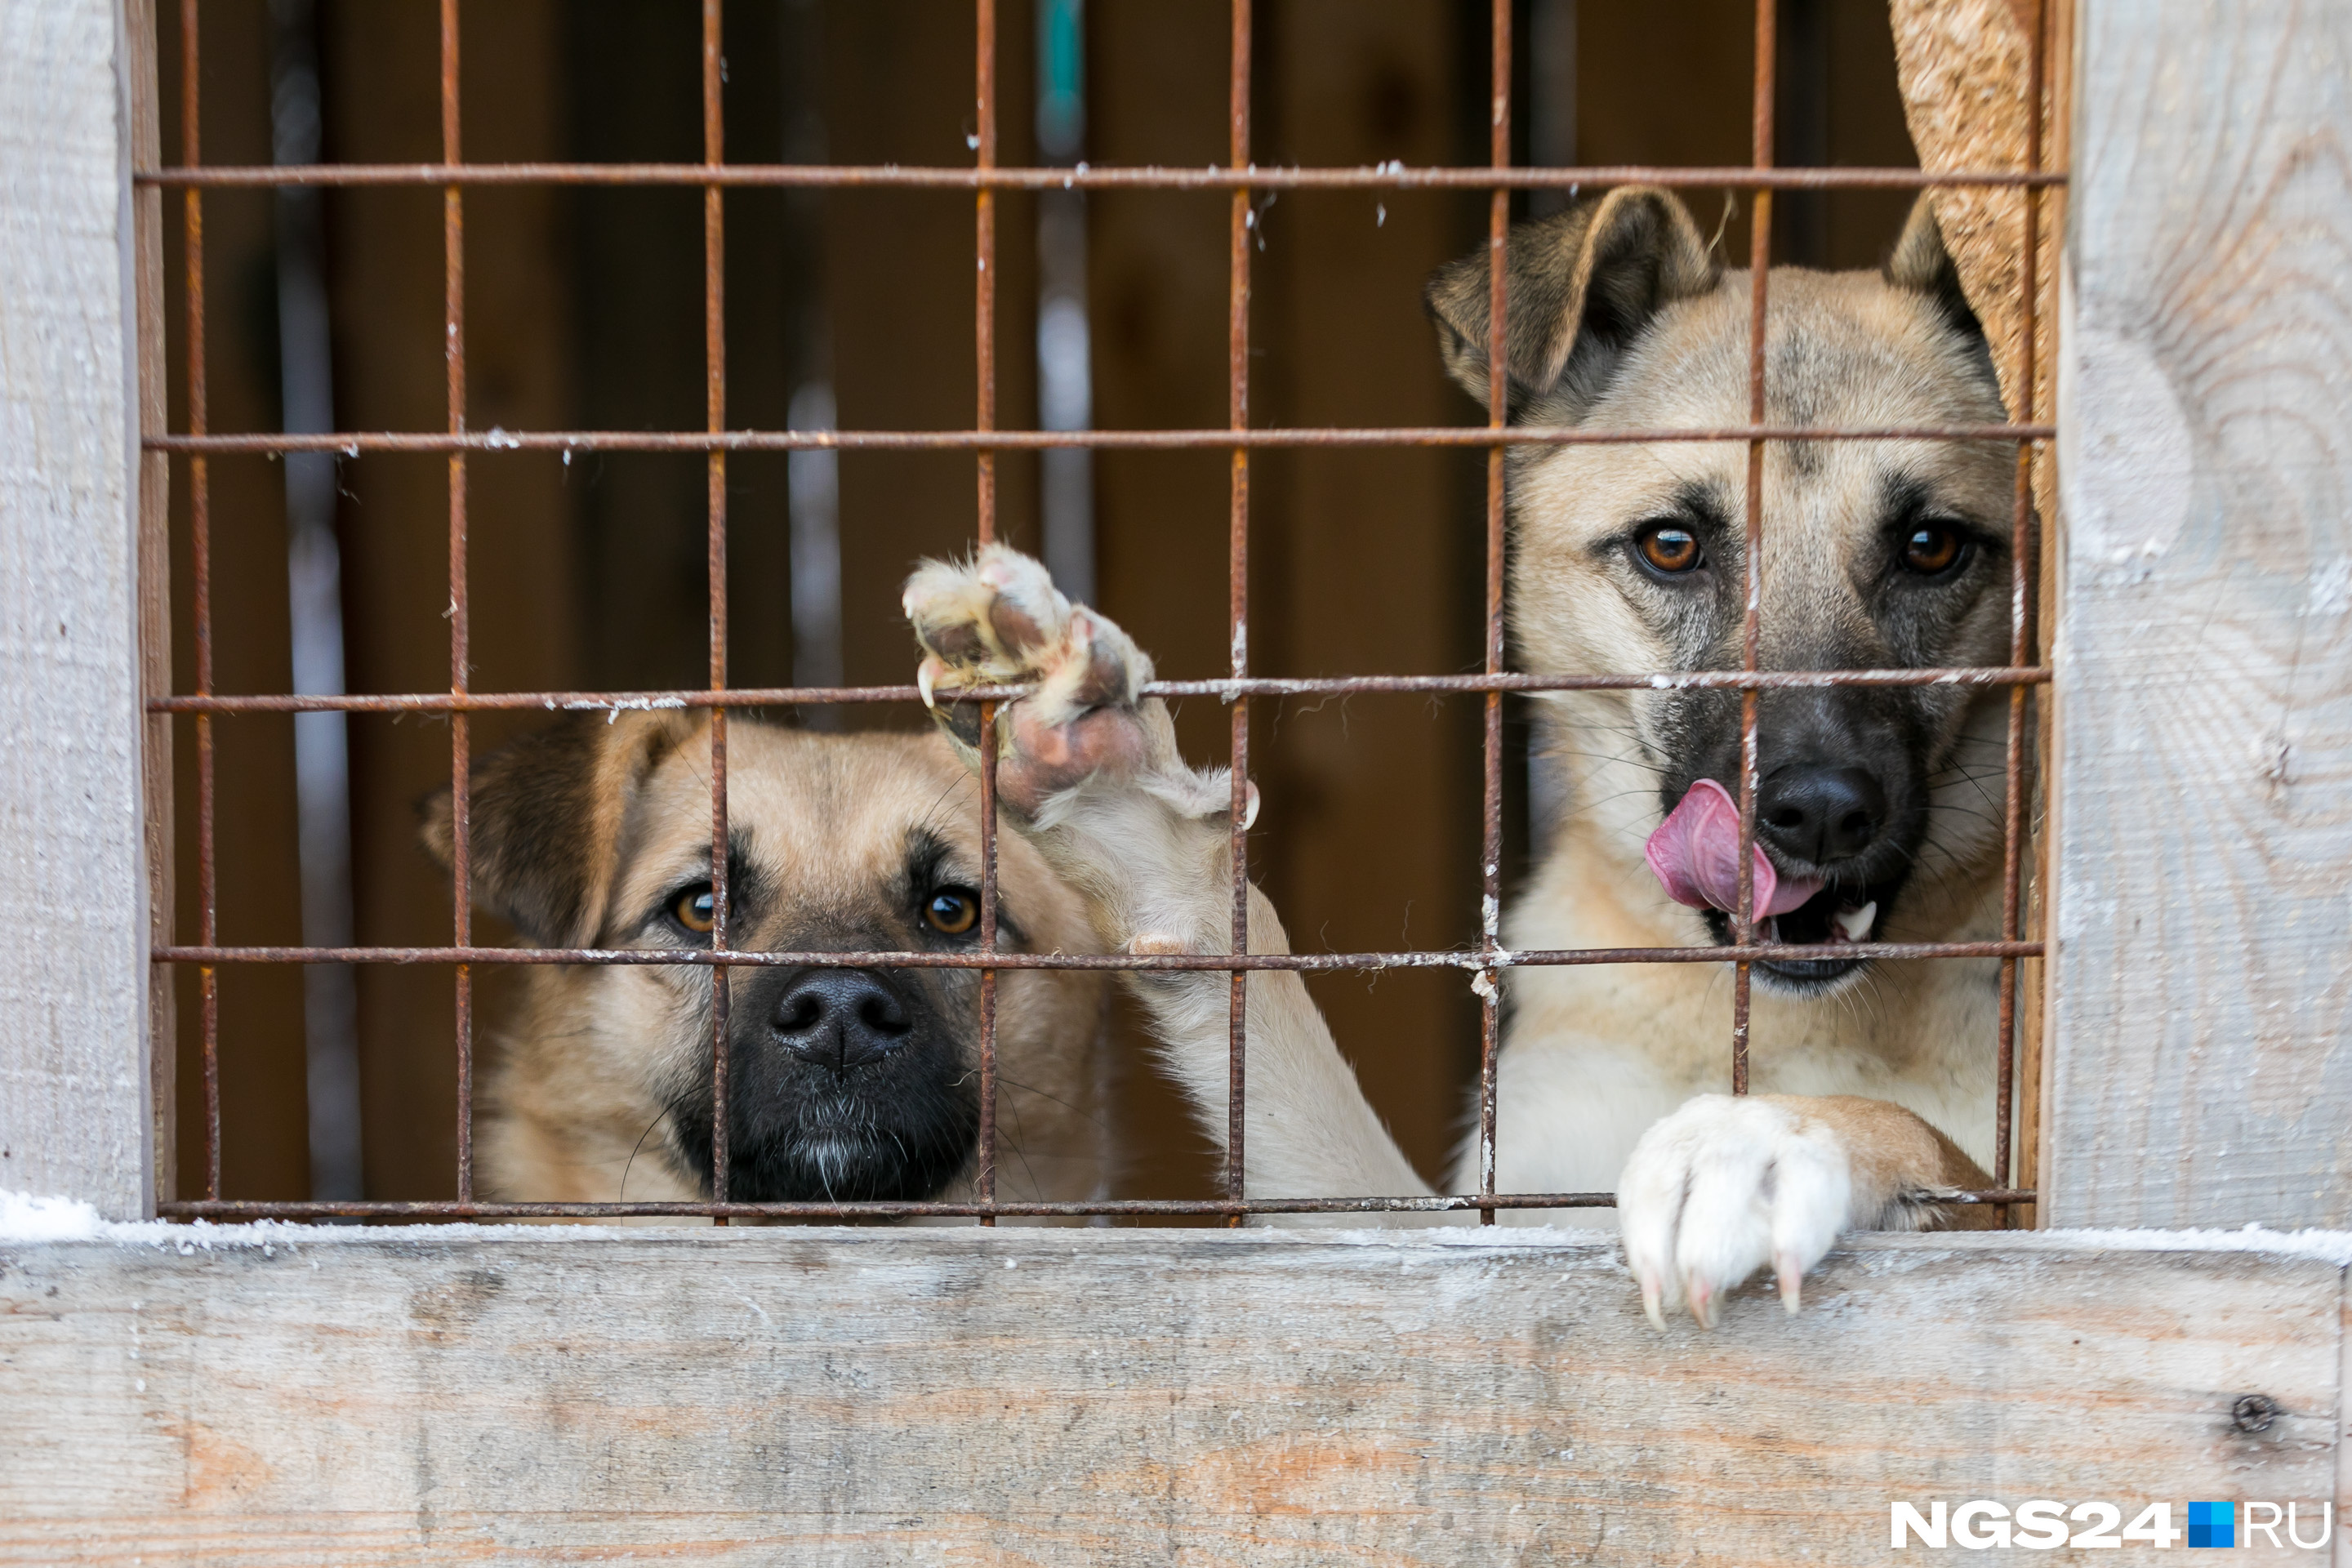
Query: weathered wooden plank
{"x": 1099, "y": 1396}
{"x": 74, "y": 1060}
{"x": 2201, "y": 997}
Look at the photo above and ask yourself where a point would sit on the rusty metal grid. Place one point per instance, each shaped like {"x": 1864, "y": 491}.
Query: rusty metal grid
{"x": 985, "y": 178}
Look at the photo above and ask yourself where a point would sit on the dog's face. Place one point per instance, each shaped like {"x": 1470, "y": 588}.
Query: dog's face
{"x": 1877, "y": 554}
{"x": 842, "y": 1083}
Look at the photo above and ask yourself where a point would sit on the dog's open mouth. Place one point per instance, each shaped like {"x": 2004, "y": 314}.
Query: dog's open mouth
{"x": 1696, "y": 854}
{"x": 1835, "y": 915}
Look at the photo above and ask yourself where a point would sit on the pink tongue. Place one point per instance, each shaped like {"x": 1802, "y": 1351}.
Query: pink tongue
{"x": 1696, "y": 853}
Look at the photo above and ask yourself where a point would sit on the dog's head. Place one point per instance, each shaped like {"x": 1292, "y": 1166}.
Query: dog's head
{"x": 842, "y": 1083}
{"x": 1882, "y": 554}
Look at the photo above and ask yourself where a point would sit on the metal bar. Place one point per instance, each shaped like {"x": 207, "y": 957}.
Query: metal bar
{"x": 1241, "y": 180}
{"x": 985, "y": 391}
{"x": 453, "y": 249}
{"x": 1490, "y": 845}
{"x": 1370, "y": 177}
{"x": 1239, "y": 225}
{"x": 983, "y": 319}
{"x": 1759, "y": 271}
{"x": 1471, "y": 961}
{"x": 200, "y": 548}
{"x": 352, "y": 443}
{"x": 1255, "y": 686}
{"x": 714, "y": 363}
{"x": 1451, "y": 1203}
{"x": 2021, "y": 630}
{"x": 985, "y": 1177}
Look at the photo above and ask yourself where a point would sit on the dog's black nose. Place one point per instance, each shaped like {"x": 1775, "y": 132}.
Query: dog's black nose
{"x": 1819, "y": 814}
{"x": 839, "y": 1017}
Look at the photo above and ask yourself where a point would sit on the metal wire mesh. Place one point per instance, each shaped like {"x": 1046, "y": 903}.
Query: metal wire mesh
{"x": 984, "y": 179}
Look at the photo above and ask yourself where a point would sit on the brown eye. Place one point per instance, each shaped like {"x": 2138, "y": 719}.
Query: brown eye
{"x": 1931, "y": 550}
{"x": 695, "y": 909}
{"x": 1666, "y": 547}
{"x": 952, "y": 911}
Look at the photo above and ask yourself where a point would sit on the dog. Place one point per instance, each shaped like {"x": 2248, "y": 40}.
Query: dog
{"x": 842, "y": 1083}
{"x": 1877, "y": 818}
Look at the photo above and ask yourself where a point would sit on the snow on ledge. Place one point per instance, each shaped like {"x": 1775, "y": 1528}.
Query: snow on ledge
{"x": 26, "y": 1219}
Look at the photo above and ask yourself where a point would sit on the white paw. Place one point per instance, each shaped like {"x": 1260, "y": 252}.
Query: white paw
{"x": 1721, "y": 1188}
{"x": 998, "y": 619}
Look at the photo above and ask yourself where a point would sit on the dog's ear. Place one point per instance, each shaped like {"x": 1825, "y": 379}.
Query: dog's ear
{"x": 1581, "y": 286}
{"x": 545, "y": 816}
{"x": 1921, "y": 264}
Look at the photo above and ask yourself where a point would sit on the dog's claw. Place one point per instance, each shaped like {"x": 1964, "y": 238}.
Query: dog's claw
{"x": 1789, "y": 1270}
{"x": 998, "y": 619}
{"x": 1700, "y": 1292}
{"x": 1724, "y": 1187}
{"x": 1650, "y": 1294}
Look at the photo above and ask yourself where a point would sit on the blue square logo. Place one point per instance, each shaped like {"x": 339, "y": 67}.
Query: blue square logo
{"x": 2213, "y": 1524}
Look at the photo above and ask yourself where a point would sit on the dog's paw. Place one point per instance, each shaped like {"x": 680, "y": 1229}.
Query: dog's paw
{"x": 1722, "y": 1187}
{"x": 999, "y": 620}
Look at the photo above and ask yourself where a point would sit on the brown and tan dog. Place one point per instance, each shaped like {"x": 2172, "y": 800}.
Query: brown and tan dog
{"x": 842, "y": 1083}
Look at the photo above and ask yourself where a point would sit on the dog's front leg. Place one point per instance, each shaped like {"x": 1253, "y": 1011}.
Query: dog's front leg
{"x": 1724, "y": 1186}
{"x": 1088, "y": 771}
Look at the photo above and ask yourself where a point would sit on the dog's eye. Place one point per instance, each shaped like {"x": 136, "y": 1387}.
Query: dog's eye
{"x": 695, "y": 909}
{"x": 1670, "y": 548}
{"x": 1932, "y": 550}
{"x": 952, "y": 911}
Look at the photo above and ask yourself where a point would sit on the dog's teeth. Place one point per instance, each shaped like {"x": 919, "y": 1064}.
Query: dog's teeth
{"x": 1856, "y": 923}
{"x": 923, "y": 677}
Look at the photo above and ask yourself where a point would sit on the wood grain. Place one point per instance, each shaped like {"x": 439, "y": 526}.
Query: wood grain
{"x": 1112, "y": 1396}
{"x": 74, "y": 1058}
{"x": 2202, "y": 1014}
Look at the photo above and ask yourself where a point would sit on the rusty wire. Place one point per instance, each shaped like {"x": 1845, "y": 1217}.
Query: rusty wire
{"x": 1237, "y": 1208}
{"x": 200, "y": 543}
{"x": 983, "y": 316}
{"x": 453, "y": 233}
{"x": 1238, "y": 228}
{"x": 352, "y": 444}
{"x": 714, "y": 360}
{"x": 1252, "y": 686}
{"x": 1759, "y": 272}
{"x": 1488, "y": 984}
{"x": 1241, "y": 179}
{"x": 1421, "y": 958}
{"x": 1394, "y": 177}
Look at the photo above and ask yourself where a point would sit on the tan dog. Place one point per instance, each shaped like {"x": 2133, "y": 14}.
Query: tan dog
{"x": 1879, "y": 808}
{"x": 842, "y": 1083}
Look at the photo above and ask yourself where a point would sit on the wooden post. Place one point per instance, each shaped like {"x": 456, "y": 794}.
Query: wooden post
{"x": 75, "y": 1093}
{"x": 2201, "y": 998}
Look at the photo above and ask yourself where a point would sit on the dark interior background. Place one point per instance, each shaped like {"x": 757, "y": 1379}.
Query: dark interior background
{"x": 583, "y": 310}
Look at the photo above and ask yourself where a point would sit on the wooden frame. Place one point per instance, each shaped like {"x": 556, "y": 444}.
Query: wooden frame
{"x": 1091, "y": 1395}
{"x": 2199, "y": 1071}
{"x": 77, "y": 1097}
